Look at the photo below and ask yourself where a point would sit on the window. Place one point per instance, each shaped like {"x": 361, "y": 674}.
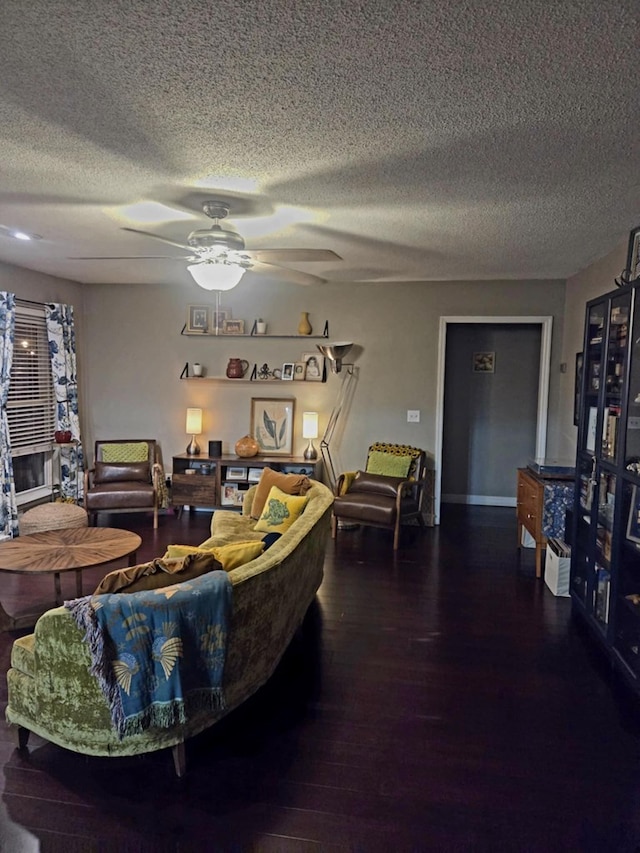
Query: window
{"x": 31, "y": 406}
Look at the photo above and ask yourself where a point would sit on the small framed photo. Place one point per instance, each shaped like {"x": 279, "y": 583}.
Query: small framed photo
{"x": 236, "y": 473}
{"x": 287, "y": 370}
{"x": 299, "y": 370}
{"x": 633, "y": 255}
{"x": 484, "y": 362}
{"x": 272, "y": 424}
{"x": 218, "y": 319}
{"x": 229, "y": 494}
{"x": 240, "y": 497}
{"x": 233, "y": 327}
{"x": 314, "y": 366}
{"x": 254, "y": 475}
{"x": 198, "y": 318}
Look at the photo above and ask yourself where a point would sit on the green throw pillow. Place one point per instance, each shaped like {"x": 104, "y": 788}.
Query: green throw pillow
{"x": 388, "y": 464}
{"x": 134, "y": 451}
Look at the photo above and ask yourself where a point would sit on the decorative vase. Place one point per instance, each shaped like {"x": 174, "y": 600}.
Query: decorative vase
{"x": 237, "y": 368}
{"x": 197, "y": 369}
{"x": 304, "y": 326}
{"x": 62, "y": 436}
{"x": 261, "y": 327}
{"x": 247, "y": 446}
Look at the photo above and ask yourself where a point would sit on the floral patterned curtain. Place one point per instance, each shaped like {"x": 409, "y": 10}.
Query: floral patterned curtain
{"x": 62, "y": 349}
{"x": 8, "y": 504}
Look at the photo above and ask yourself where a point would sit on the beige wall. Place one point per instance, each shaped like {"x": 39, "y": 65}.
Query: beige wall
{"x": 136, "y": 354}
{"x": 595, "y": 280}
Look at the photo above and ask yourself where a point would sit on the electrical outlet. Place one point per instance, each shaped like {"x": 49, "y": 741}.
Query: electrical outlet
{"x": 413, "y": 416}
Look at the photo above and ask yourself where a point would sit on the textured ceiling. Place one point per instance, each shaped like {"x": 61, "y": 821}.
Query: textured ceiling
{"x": 419, "y": 140}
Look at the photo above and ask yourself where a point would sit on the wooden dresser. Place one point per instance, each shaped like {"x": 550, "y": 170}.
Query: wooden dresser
{"x": 541, "y": 506}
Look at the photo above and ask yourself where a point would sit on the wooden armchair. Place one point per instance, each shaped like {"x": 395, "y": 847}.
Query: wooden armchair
{"x": 394, "y": 487}
{"x": 127, "y": 477}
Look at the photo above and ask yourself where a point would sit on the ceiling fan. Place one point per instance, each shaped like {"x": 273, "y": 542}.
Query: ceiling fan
{"x": 218, "y": 259}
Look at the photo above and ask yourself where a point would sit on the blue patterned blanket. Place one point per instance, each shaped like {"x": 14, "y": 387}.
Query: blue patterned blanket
{"x": 158, "y": 655}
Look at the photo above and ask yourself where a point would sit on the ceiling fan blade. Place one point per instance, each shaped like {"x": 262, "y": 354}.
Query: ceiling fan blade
{"x": 292, "y": 276}
{"x": 269, "y": 256}
{"x": 130, "y": 258}
{"x": 157, "y": 237}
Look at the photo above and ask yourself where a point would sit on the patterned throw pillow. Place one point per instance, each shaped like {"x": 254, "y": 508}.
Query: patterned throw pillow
{"x": 132, "y": 451}
{"x": 280, "y": 511}
{"x": 388, "y": 464}
{"x": 292, "y": 484}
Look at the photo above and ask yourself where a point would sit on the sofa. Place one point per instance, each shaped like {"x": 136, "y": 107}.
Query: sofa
{"x": 52, "y": 693}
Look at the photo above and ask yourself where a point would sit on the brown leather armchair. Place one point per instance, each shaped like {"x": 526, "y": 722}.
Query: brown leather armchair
{"x": 390, "y": 491}
{"x": 126, "y": 477}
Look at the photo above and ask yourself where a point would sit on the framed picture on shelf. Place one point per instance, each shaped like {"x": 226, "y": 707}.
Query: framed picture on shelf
{"x": 229, "y": 494}
{"x": 633, "y": 521}
{"x": 590, "y": 439}
{"x": 198, "y": 318}
{"x": 233, "y": 327}
{"x": 633, "y": 254}
{"x": 272, "y": 424}
{"x": 254, "y": 474}
{"x": 314, "y": 366}
{"x": 577, "y": 388}
{"x": 218, "y": 319}
{"x": 287, "y": 370}
{"x": 299, "y": 370}
{"x": 240, "y": 497}
{"x": 236, "y": 473}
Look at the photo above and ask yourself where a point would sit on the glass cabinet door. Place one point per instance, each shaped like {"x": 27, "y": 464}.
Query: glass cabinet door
{"x": 594, "y": 348}
{"x": 614, "y": 378}
{"x": 632, "y": 445}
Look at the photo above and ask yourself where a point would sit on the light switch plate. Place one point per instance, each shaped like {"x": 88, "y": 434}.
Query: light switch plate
{"x": 413, "y": 416}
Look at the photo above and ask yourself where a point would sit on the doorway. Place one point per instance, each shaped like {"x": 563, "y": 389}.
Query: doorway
{"x": 483, "y": 371}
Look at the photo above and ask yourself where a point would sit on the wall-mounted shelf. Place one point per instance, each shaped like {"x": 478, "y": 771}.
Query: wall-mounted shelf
{"x": 253, "y": 334}
{"x": 244, "y": 381}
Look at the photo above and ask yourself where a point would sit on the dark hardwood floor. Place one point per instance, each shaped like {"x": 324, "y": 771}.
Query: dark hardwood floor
{"x": 438, "y": 700}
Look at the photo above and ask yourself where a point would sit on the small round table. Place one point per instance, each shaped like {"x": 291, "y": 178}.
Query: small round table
{"x": 65, "y": 550}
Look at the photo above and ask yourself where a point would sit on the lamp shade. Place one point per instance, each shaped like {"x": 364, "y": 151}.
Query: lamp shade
{"x": 194, "y": 421}
{"x": 216, "y": 275}
{"x": 309, "y": 424}
{"x": 335, "y": 353}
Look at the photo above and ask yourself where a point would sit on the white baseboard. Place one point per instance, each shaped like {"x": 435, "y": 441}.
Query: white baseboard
{"x": 478, "y": 500}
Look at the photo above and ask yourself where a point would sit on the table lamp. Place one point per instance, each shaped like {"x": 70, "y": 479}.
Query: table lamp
{"x": 310, "y": 431}
{"x": 194, "y": 427}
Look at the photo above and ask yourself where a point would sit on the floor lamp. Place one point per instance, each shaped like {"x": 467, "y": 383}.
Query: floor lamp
{"x": 335, "y": 353}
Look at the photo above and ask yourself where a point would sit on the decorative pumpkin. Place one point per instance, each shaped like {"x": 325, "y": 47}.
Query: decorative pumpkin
{"x": 247, "y": 446}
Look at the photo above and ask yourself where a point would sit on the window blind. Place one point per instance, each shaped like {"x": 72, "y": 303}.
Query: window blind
{"x": 31, "y": 401}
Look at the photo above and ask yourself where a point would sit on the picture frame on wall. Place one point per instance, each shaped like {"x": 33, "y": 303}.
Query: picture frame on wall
{"x": 633, "y": 255}
{"x": 484, "y": 362}
{"x": 271, "y": 424}
{"x": 577, "y": 389}
{"x": 198, "y": 318}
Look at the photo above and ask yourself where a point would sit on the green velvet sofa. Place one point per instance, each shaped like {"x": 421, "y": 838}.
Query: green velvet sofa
{"x": 52, "y": 693}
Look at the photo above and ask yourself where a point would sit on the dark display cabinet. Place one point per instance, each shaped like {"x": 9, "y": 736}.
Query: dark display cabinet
{"x": 605, "y": 561}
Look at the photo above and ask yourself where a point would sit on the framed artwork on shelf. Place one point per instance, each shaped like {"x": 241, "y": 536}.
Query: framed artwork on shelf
{"x": 236, "y": 473}
{"x": 218, "y": 318}
{"x": 299, "y": 370}
{"x": 198, "y": 318}
{"x": 577, "y": 387}
{"x": 233, "y": 327}
{"x": 272, "y": 424}
{"x": 254, "y": 474}
{"x": 287, "y": 370}
{"x": 229, "y": 494}
{"x": 484, "y": 362}
{"x": 314, "y": 366}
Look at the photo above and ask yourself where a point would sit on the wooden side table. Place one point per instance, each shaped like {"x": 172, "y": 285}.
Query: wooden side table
{"x": 541, "y": 505}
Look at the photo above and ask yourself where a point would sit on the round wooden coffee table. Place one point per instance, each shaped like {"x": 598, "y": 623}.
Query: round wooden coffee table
{"x": 70, "y": 549}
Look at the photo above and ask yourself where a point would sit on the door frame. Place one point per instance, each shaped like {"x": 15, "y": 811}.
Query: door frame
{"x": 546, "y": 333}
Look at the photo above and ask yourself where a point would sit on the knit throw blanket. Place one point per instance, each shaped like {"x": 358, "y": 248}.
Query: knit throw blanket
{"x": 158, "y": 655}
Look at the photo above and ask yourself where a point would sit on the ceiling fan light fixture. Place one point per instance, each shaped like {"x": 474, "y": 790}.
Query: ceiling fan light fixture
{"x": 216, "y": 275}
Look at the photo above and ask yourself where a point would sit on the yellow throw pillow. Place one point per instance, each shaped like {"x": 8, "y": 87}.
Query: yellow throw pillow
{"x": 183, "y": 550}
{"x": 237, "y": 553}
{"x": 133, "y": 451}
{"x": 292, "y": 484}
{"x": 388, "y": 464}
{"x": 280, "y": 511}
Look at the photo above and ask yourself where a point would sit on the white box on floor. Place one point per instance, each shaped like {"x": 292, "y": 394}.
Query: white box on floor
{"x": 556, "y": 572}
